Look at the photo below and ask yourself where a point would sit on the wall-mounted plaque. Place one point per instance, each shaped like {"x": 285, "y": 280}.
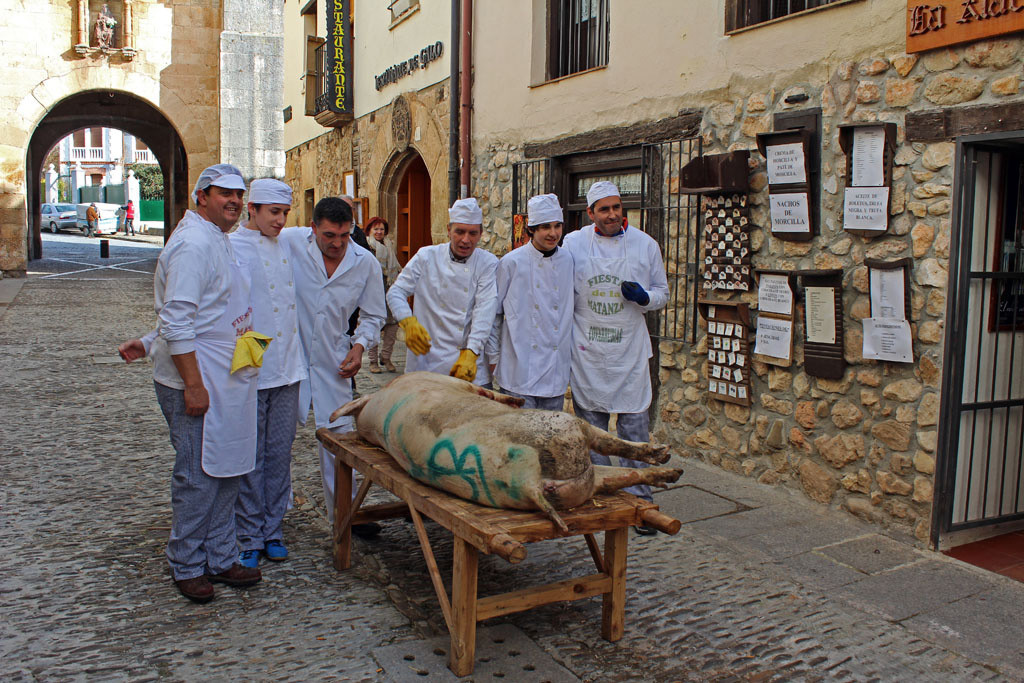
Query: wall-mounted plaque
{"x": 939, "y": 23}
{"x": 728, "y": 350}
{"x": 823, "y": 323}
{"x": 775, "y": 314}
{"x": 792, "y": 195}
{"x": 870, "y": 149}
{"x": 726, "y": 243}
{"x": 887, "y": 333}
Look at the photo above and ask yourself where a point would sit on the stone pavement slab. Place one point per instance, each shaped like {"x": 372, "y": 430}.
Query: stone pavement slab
{"x": 871, "y": 554}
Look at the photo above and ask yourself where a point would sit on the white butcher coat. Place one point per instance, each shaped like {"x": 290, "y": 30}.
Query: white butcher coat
{"x": 324, "y": 308}
{"x": 455, "y": 303}
{"x": 611, "y": 345}
{"x": 273, "y": 306}
{"x": 532, "y": 337}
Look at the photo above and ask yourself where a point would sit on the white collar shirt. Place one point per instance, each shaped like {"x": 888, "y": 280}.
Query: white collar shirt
{"x": 455, "y": 303}
{"x": 273, "y": 306}
{"x": 191, "y": 289}
{"x": 535, "y": 298}
{"x": 324, "y": 306}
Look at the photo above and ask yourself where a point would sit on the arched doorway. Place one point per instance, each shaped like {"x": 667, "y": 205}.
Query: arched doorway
{"x": 409, "y": 194}
{"x": 109, "y": 109}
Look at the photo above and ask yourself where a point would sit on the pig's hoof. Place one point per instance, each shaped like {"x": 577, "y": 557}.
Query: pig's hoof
{"x": 660, "y": 454}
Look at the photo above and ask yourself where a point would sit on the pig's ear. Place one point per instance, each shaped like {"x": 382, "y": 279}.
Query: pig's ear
{"x": 350, "y": 408}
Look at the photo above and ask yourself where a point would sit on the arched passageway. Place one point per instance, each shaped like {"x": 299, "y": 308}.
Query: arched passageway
{"x": 406, "y": 198}
{"x": 110, "y": 109}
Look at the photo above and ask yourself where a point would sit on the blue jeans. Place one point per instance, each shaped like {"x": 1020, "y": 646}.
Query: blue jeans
{"x": 541, "y": 402}
{"x": 628, "y": 426}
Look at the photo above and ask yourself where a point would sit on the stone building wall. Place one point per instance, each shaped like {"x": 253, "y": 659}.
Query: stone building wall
{"x": 865, "y": 443}
{"x": 369, "y": 146}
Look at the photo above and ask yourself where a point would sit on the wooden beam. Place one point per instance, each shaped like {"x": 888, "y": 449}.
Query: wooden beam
{"x": 528, "y": 598}
{"x": 685, "y": 124}
{"x": 435, "y": 574}
{"x": 342, "y": 505}
{"x": 595, "y": 551}
{"x": 464, "y": 605}
{"x": 945, "y": 124}
{"x": 355, "y": 505}
{"x": 375, "y": 513}
{"x": 613, "y": 609}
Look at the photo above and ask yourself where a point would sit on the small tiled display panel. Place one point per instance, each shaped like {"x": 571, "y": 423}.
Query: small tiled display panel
{"x": 727, "y": 243}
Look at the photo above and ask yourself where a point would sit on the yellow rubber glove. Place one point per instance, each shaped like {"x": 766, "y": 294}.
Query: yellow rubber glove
{"x": 417, "y": 339}
{"x": 465, "y": 366}
{"x": 249, "y": 350}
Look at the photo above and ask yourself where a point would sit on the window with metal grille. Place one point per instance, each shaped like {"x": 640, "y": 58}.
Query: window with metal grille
{"x": 316, "y": 76}
{"x": 742, "y": 13}
{"x": 400, "y": 9}
{"x": 577, "y": 36}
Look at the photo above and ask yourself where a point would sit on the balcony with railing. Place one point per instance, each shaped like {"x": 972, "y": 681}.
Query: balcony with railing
{"x": 144, "y": 156}
{"x": 87, "y": 154}
{"x": 322, "y": 94}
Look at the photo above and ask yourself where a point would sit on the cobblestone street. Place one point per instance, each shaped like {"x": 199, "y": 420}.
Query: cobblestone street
{"x": 758, "y": 585}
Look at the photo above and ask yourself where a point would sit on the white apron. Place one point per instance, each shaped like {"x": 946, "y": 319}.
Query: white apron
{"x": 611, "y": 344}
{"x": 229, "y": 425}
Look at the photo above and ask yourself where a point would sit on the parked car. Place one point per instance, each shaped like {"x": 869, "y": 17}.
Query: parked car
{"x": 107, "y": 223}
{"x": 58, "y": 217}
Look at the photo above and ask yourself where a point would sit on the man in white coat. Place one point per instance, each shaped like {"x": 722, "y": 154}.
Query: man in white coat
{"x": 454, "y": 286}
{"x": 333, "y": 277}
{"x": 532, "y": 335}
{"x": 619, "y": 276}
{"x": 202, "y": 306}
{"x": 265, "y": 493}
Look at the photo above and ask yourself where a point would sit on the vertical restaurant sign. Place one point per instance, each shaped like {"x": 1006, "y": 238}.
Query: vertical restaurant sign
{"x": 938, "y": 23}
{"x": 339, "y": 56}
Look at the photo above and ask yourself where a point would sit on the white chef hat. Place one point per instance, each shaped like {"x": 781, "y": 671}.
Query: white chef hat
{"x": 543, "y": 208}
{"x": 600, "y": 190}
{"x": 221, "y": 175}
{"x": 466, "y": 211}
{"x": 269, "y": 191}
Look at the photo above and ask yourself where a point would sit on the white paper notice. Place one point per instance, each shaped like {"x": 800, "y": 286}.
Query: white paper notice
{"x": 866, "y": 208}
{"x": 886, "y": 339}
{"x": 786, "y": 164}
{"x": 774, "y": 337}
{"x": 774, "y": 294}
{"x": 888, "y": 298}
{"x": 868, "y": 144}
{"x": 821, "y": 314}
{"x": 789, "y": 212}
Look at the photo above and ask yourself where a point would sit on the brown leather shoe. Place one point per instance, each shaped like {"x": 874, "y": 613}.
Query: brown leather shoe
{"x": 198, "y": 589}
{"x": 238, "y": 576}
{"x": 389, "y": 366}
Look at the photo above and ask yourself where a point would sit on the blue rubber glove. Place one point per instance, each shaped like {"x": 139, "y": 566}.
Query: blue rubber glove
{"x": 632, "y": 291}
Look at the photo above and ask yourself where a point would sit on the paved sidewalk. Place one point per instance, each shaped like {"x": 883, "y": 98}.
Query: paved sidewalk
{"x": 758, "y": 585}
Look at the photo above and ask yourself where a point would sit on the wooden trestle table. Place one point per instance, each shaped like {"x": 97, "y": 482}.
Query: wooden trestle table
{"x": 477, "y": 528}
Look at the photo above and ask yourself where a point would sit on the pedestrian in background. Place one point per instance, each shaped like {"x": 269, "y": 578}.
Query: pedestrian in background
{"x": 92, "y": 217}
{"x": 129, "y": 218}
{"x": 377, "y": 229}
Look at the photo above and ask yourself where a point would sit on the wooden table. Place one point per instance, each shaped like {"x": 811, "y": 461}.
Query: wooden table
{"x": 476, "y": 529}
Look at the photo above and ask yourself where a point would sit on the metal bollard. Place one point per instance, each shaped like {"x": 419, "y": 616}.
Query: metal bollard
{"x": 104, "y": 248}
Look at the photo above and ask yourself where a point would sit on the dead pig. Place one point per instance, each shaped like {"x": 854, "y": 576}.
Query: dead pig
{"x": 481, "y": 446}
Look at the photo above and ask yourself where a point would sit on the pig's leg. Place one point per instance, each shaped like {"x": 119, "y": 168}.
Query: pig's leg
{"x": 500, "y": 398}
{"x": 350, "y": 408}
{"x": 545, "y": 506}
{"x": 607, "y": 444}
{"x": 610, "y": 479}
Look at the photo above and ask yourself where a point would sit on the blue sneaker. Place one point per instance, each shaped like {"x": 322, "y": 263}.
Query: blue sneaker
{"x": 249, "y": 558}
{"x": 275, "y": 550}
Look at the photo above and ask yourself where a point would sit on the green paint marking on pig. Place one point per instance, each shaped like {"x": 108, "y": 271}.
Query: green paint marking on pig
{"x": 515, "y": 452}
{"x": 459, "y": 469}
{"x": 389, "y": 417}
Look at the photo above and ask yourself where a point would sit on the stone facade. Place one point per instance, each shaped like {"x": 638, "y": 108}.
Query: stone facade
{"x": 175, "y": 66}
{"x": 368, "y": 145}
{"x": 865, "y": 443}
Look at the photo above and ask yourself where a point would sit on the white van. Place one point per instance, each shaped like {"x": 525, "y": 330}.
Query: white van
{"x": 107, "y": 223}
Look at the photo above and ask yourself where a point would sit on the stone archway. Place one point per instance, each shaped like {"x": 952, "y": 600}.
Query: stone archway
{"x": 110, "y": 109}
{"x": 405, "y": 196}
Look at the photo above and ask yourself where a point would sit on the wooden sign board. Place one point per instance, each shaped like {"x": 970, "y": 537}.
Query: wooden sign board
{"x": 823, "y": 323}
{"x": 728, "y": 350}
{"x": 940, "y": 23}
{"x": 773, "y": 335}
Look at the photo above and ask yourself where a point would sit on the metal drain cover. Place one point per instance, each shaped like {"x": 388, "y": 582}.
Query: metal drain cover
{"x": 503, "y": 653}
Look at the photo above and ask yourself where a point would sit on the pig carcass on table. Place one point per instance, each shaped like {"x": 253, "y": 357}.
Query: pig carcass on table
{"x": 479, "y": 445}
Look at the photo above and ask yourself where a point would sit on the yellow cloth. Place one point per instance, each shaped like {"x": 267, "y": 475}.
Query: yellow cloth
{"x": 417, "y": 339}
{"x": 249, "y": 350}
{"x": 465, "y": 366}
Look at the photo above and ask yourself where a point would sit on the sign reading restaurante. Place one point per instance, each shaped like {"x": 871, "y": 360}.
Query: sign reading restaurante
{"x": 338, "y": 51}
{"x": 938, "y": 23}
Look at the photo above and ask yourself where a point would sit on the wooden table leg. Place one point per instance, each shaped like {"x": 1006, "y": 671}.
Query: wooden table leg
{"x": 613, "y": 609}
{"x": 342, "y": 504}
{"x": 463, "y": 632}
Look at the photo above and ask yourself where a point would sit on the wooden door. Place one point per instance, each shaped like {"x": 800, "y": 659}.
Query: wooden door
{"x": 413, "y": 210}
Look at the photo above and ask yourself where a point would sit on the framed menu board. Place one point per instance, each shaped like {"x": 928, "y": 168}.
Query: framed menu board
{"x": 823, "y": 323}
{"x": 776, "y": 308}
{"x": 728, "y": 350}
{"x": 792, "y": 194}
{"x": 870, "y": 149}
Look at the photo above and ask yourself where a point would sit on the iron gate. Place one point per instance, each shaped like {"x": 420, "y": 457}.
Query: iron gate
{"x": 529, "y": 178}
{"x": 981, "y": 425}
{"x": 669, "y": 215}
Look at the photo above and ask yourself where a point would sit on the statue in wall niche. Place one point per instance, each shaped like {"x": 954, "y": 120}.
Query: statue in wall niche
{"x": 103, "y": 30}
